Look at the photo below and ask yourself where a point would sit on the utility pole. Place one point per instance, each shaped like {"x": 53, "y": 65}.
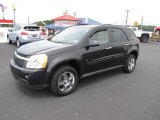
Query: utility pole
{"x": 28, "y": 20}
{"x": 127, "y": 16}
{"x": 141, "y": 22}
{"x": 74, "y": 14}
{"x": 14, "y": 15}
{"x": 2, "y": 7}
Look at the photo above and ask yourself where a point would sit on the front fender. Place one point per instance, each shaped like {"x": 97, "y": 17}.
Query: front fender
{"x": 58, "y": 60}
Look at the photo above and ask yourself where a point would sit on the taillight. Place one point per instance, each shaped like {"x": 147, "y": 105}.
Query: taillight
{"x": 42, "y": 33}
{"x": 24, "y": 33}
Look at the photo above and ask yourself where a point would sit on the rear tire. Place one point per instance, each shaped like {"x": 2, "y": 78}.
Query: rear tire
{"x": 64, "y": 81}
{"x": 144, "y": 39}
{"x": 130, "y": 64}
{"x": 18, "y": 42}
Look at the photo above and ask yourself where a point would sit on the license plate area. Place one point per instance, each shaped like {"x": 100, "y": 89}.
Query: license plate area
{"x": 34, "y": 35}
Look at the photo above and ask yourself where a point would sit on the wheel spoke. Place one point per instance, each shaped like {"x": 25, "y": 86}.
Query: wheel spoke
{"x": 71, "y": 77}
{"x": 65, "y": 76}
{"x": 66, "y": 88}
{"x": 60, "y": 83}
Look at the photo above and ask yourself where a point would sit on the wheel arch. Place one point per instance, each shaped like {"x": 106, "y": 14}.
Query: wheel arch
{"x": 135, "y": 53}
{"x": 71, "y": 62}
{"x": 17, "y": 38}
{"x": 145, "y": 34}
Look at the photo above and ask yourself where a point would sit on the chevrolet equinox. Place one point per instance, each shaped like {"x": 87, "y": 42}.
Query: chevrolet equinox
{"x": 73, "y": 54}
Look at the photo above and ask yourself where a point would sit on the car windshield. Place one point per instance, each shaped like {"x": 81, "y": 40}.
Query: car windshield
{"x": 134, "y": 29}
{"x": 70, "y": 35}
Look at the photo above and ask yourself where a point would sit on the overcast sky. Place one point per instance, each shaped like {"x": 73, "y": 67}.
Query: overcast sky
{"x": 104, "y": 11}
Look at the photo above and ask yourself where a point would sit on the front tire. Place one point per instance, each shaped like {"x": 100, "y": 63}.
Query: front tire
{"x": 130, "y": 64}
{"x": 8, "y": 40}
{"x": 64, "y": 81}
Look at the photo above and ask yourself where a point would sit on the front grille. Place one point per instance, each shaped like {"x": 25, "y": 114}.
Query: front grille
{"x": 18, "y": 60}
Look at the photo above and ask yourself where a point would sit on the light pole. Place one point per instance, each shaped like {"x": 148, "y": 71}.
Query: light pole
{"x": 2, "y": 7}
{"x": 14, "y": 17}
{"x": 28, "y": 20}
{"x": 127, "y": 16}
{"x": 3, "y": 12}
{"x": 141, "y": 22}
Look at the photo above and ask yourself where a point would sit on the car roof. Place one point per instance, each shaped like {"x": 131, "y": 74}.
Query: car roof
{"x": 99, "y": 26}
{"x": 25, "y": 25}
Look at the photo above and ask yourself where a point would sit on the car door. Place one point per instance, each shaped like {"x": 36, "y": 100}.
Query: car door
{"x": 11, "y": 34}
{"x": 119, "y": 46}
{"x": 16, "y": 32}
{"x": 97, "y": 57}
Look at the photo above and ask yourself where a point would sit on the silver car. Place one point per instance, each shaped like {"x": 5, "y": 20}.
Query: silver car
{"x": 21, "y": 34}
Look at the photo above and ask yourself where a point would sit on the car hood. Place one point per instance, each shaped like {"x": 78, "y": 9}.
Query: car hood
{"x": 44, "y": 47}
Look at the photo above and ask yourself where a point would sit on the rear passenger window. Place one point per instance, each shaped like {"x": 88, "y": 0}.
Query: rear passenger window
{"x": 17, "y": 28}
{"x": 31, "y": 28}
{"x": 101, "y": 37}
{"x": 118, "y": 35}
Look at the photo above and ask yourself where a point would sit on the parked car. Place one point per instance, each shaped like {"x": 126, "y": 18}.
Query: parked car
{"x": 157, "y": 30}
{"x": 21, "y": 34}
{"x": 73, "y": 54}
{"x": 143, "y": 36}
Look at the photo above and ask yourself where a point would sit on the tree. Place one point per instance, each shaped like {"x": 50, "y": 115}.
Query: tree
{"x": 44, "y": 23}
{"x": 147, "y": 27}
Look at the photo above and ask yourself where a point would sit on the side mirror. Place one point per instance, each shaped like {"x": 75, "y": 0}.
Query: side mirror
{"x": 10, "y": 30}
{"x": 93, "y": 43}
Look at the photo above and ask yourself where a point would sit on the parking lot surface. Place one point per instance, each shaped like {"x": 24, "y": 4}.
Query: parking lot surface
{"x": 112, "y": 95}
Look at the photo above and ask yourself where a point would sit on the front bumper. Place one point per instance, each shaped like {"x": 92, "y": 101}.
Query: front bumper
{"x": 32, "y": 78}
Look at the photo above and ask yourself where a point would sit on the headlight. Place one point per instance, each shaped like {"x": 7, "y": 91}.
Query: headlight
{"x": 37, "y": 61}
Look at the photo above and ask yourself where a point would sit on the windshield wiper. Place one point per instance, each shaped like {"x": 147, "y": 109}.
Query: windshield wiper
{"x": 57, "y": 41}
{"x": 62, "y": 42}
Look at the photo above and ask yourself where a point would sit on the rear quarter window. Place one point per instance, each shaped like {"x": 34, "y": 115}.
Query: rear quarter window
{"x": 32, "y": 28}
{"x": 118, "y": 35}
{"x": 130, "y": 34}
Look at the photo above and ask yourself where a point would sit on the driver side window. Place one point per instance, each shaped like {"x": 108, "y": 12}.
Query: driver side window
{"x": 100, "y": 36}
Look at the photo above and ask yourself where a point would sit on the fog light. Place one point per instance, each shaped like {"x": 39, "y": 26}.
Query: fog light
{"x": 27, "y": 76}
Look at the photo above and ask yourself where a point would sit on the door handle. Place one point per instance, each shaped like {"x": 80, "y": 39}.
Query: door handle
{"x": 126, "y": 44}
{"x": 107, "y": 48}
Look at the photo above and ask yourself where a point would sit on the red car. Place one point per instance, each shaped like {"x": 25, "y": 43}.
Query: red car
{"x": 157, "y": 30}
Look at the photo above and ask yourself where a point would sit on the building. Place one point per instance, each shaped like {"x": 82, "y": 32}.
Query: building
{"x": 6, "y": 23}
{"x": 88, "y": 21}
{"x": 66, "y": 20}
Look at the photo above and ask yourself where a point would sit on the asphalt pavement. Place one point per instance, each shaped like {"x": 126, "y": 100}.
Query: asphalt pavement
{"x": 113, "y": 95}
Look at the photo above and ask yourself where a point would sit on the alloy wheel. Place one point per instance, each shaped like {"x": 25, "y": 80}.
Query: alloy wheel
{"x": 131, "y": 64}
{"x": 66, "y": 81}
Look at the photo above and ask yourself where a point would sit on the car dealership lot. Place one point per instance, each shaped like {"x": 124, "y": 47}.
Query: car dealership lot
{"x": 112, "y": 95}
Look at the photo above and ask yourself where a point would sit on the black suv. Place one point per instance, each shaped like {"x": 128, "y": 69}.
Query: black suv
{"x": 75, "y": 53}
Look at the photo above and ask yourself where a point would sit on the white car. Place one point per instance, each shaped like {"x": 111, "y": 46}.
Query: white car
{"x": 21, "y": 34}
{"x": 142, "y": 35}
